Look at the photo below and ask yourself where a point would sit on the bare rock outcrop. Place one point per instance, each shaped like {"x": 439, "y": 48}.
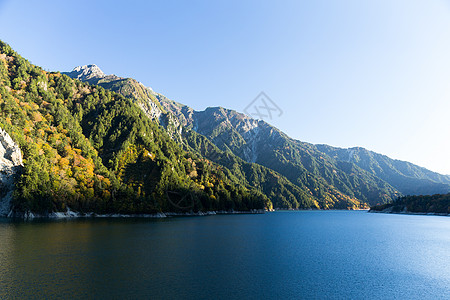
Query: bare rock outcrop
{"x": 10, "y": 164}
{"x": 90, "y": 73}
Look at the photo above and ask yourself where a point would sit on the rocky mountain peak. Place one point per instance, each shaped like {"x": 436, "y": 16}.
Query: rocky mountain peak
{"x": 86, "y": 73}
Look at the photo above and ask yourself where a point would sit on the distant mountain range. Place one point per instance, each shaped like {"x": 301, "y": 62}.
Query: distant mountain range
{"x": 331, "y": 177}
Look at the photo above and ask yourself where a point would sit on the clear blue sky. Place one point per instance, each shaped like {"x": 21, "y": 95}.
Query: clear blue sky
{"x": 347, "y": 73}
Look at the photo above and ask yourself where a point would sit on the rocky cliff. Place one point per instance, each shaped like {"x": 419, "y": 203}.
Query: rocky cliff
{"x": 10, "y": 165}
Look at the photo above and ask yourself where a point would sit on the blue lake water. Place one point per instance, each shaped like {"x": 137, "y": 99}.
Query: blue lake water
{"x": 280, "y": 255}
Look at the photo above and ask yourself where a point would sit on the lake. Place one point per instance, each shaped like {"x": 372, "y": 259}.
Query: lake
{"x": 279, "y": 255}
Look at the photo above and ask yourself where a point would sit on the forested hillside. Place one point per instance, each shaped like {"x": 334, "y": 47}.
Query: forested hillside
{"x": 94, "y": 150}
{"x": 301, "y": 163}
{"x": 438, "y": 203}
{"x": 355, "y": 172}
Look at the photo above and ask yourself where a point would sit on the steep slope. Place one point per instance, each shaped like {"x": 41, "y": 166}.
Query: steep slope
{"x": 94, "y": 150}
{"x": 408, "y": 178}
{"x": 282, "y": 192}
{"x": 130, "y": 88}
{"x": 257, "y": 141}
{"x": 254, "y": 141}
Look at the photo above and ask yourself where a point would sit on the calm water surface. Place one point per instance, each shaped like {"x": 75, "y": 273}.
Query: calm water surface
{"x": 281, "y": 255}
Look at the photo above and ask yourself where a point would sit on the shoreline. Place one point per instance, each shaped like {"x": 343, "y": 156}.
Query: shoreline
{"x": 77, "y": 215}
{"x": 405, "y": 212}
{"x": 69, "y": 214}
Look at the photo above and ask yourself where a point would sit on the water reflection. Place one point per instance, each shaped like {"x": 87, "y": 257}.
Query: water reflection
{"x": 6, "y": 252}
{"x": 279, "y": 255}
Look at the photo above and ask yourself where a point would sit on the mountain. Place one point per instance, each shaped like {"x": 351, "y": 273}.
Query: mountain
{"x": 302, "y": 163}
{"x": 92, "y": 150}
{"x": 262, "y": 143}
{"x": 320, "y": 170}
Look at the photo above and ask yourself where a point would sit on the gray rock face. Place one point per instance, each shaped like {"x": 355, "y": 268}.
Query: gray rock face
{"x": 10, "y": 164}
{"x": 86, "y": 73}
{"x": 224, "y": 125}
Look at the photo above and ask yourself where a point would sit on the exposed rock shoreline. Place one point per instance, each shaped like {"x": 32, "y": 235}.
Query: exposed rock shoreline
{"x": 73, "y": 215}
